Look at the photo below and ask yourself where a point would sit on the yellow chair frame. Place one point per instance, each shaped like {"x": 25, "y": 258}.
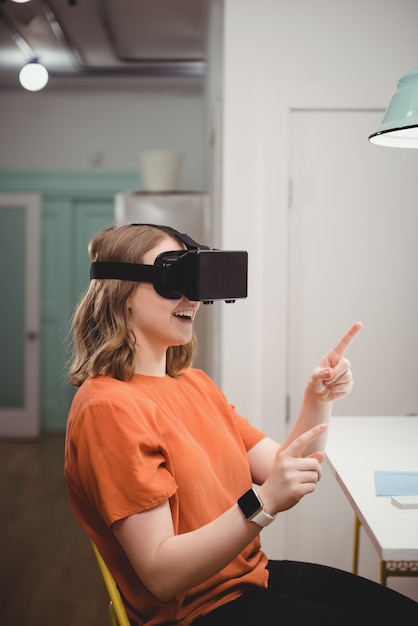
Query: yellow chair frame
{"x": 117, "y": 611}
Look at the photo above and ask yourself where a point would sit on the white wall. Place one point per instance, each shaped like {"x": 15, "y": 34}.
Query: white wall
{"x": 273, "y": 48}
{"x": 312, "y": 41}
{"x": 83, "y": 129}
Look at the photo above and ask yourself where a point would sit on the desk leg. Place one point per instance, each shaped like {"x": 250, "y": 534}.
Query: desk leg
{"x": 356, "y": 546}
{"x": 383, "y": 573}
{"x": 387, "y": 568}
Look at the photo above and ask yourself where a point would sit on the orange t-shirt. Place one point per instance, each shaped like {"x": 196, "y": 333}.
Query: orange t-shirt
{"x": 132, "y": 445}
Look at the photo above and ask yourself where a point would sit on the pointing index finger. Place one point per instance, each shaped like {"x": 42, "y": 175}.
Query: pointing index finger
{"x": 299, "y": 445}
{"x": 345, "y": 341}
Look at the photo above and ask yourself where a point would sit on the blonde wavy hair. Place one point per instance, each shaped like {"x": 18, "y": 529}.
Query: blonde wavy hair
{"x": 103, "y": 343}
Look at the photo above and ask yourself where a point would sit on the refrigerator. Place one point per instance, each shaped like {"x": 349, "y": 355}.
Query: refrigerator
{"x": 187, "y": 212}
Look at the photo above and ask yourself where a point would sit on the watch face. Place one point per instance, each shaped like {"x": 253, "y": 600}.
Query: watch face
{"x": 249, "y": 504}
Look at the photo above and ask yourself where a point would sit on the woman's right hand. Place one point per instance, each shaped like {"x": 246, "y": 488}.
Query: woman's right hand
{"x": 293, "y": 476}
{"x": 169, "y": 564}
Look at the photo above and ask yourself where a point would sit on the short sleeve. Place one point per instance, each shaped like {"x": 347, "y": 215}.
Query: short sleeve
{"x": 250, "y": 434}
{"x": 121, "y": 459}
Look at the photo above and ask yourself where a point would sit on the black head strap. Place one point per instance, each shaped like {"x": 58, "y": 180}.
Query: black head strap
{"x": 126, "y": 271}
{"x": 137, "y": 271}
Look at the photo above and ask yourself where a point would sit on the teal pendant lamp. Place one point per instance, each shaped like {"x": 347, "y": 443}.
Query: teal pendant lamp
{"x": 399, "y": 128}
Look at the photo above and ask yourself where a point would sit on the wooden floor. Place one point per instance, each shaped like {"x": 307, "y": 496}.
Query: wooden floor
{"x": 48, "y": 573}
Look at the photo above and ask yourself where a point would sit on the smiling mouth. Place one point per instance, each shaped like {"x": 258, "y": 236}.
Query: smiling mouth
{"x": 185, "y": 315}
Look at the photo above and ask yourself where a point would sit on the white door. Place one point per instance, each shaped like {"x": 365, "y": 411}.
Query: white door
{"x": 353, "y": 257}
{"x": 20, "y": 219}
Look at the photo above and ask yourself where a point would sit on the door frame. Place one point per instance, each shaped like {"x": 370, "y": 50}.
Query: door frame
{"x": 25, "y": 421}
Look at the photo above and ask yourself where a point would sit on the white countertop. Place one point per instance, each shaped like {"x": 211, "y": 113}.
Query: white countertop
{"x": 356, "y": 448}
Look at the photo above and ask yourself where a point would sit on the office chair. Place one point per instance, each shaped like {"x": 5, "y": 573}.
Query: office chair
{"x": 117, "y": 611}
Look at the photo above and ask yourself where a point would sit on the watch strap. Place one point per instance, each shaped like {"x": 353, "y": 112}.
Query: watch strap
{"x": 262, "y": 518}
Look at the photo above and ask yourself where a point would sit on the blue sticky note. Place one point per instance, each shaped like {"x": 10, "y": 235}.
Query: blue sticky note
{"x": 396, "y": 483}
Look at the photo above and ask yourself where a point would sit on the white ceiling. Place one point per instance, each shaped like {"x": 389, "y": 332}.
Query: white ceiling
{"x": 88, "y": 42}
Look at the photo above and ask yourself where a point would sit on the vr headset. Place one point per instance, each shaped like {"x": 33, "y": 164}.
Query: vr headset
{"x": 198, "y": 273}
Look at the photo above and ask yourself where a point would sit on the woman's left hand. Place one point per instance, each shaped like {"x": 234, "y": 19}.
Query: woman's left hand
{"x": 332, "y": 377}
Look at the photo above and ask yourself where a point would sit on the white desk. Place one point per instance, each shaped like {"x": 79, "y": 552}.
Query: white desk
{"x": 357, "y": 446}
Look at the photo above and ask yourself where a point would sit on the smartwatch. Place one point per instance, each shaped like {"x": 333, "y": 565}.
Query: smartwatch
{"x": 252, "y": 508}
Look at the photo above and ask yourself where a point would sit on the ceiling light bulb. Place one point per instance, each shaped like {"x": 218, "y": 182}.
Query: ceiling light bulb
{"x": 33, "y": 76}
{"x": 20, "y": 1}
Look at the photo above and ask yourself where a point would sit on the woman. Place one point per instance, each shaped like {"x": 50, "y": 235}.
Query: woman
{"x": 160, "y": 467}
